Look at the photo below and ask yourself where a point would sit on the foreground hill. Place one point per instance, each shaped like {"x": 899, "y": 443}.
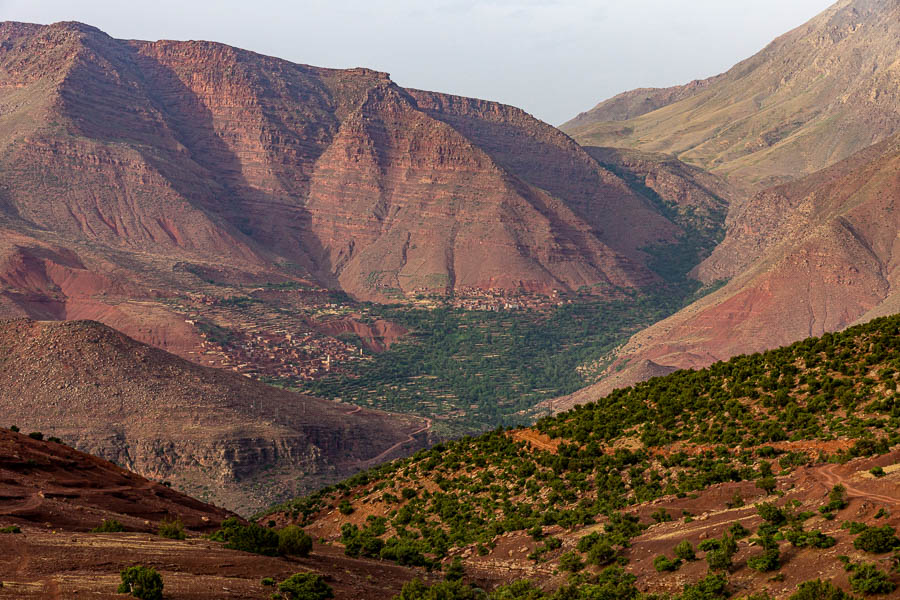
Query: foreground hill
{"x": 52, "y": 496}
{"x": 136, "y": 155}
{"x": 216, "y": 435}
{"x": 812, "y": 97}
{"x": 692, "y": 452}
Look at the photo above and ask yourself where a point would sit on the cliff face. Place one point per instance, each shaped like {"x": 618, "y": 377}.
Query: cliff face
{"x": 201, "y": 152}
{"x": 241, "y": 444}
{"x": 813, "y": 97}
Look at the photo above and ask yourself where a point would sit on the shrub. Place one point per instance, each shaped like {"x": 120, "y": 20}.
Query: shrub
{"x": 837, "y": 499}
{"x": 251, "y": 538}
{"x": 661, "y": 563}
{"x": 10, "y": 529}
{"x": 877, "y": 540}
{"x": 305, "y": 586}
{"x": 819, "y": 590}
{"x": 869, "y": 579}
{"x": 685, "y": 551}
{"x": 345, "y": 508}
{"x": 267, "y": 581}
{"x": 661, "y": 516}
{"x": 294, "y": 541}
{"x": 710, "y": 544}
{"x": 36, "y": 435}
{"x": 767, "y": 484}
{"x": 877, "y": 471}
{"x": 571, "y": 562}
{"x": 767, "y": 561}
{"x": 108, "y": 526}
{"x": 141, "y": 582}
{"x": 172, "y": 529}
{"x": 454, "y": 570}
{"x": 711, "y": 587}
{"x": 771, "y": 513}
{"x": 738, "y": 531}
{"x": 14, "y": 428}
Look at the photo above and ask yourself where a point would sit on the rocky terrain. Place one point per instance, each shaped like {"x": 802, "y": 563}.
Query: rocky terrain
{"x": 812, "y": 97}
{"x": 218, "y": 436}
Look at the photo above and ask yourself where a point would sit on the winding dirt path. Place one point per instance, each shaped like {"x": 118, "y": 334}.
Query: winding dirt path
{"x": 412, "y": 437}
{"x": 831, "y": 479}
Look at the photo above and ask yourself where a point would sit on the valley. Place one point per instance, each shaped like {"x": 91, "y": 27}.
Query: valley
{"x": 274, "y": 330}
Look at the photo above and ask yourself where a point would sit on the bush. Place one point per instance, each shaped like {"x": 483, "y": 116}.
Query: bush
{"x": 685, "y": 551}
{"x": 294, "y": 541}
{"x": 767, "y": 561}
{"x": 711, "y": 587}
{"x": 820, "y": 590}
{"x": 877, "y": 471}
{"x": 36, "y": 435}
{"x": 771, "y": 513}
{"x": 108, "y": 526}
{"x": 345, "y": 508}
{"x": 738, "y": 531}
{"x": 141, "y": 582}
{"x": 571, "y": 562}
{"x": 10, "y": 529}
{"x": 767, "y": 484}
{"x": 267, "y": 582}
{"x": 172, "y": 529}
{"x": 837, "y": 499}
{"x": 877, "y": 540}
{"x": 869, "y": 579}
{"x": 661, "y": 563}
{"x": 305, "y": 586}
{"x": 250, "y": 538}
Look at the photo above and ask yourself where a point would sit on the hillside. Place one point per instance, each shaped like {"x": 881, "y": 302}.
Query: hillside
{"x": 812, "y": 97}
{"x": 762, "y": 440}
{"x": 121, "y": 159}
{"x": 801, "y": 259}
{"x": 215, "y": 435}
{"x": 52, "y": 497}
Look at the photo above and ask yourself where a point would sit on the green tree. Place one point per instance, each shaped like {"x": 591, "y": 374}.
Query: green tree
{"x": 294, "y": 541}
{"x": 141, "y": 582}
{"x": 305, "y": 586}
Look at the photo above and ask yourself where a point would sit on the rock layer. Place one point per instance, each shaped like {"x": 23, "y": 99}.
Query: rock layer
{"x": 206, "y": 154}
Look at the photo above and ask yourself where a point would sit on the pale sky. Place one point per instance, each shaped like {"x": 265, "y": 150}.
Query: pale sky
{"x": 553, "y": 58}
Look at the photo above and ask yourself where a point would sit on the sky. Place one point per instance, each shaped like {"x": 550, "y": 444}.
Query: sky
{"x": 553, "y": 58}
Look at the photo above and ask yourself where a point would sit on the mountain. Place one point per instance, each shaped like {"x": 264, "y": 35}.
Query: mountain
{"x": 52, "y": 497}
{"x": 213, "y": 434}
{"x": 809, "y": 257}
{"x": 812, "y": 97}
{"x": 124, "y": 158}
{"x": 741, "y": 476}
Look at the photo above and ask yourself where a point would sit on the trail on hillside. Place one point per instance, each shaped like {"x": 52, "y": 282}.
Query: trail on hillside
{"x": 831, "y": 479}
{"x": 411, "y": 438}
